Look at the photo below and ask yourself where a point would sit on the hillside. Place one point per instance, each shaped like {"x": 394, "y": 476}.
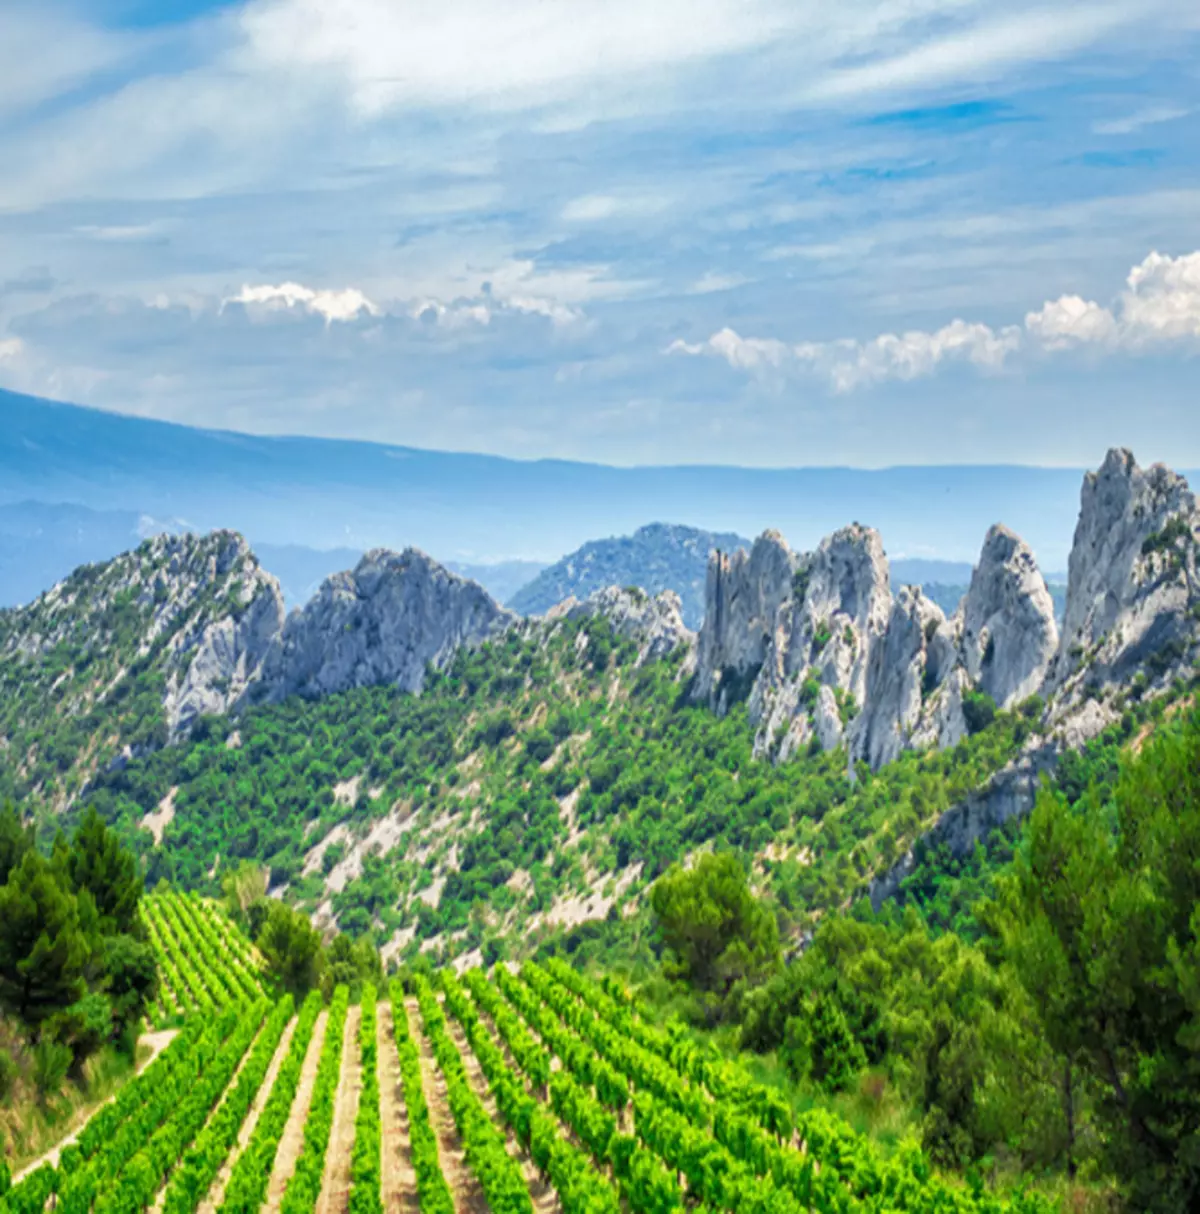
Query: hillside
{"x": 657, "y": 557}
{"x": 549, "y": 769}
{"x": 101, "y": 668}
{"x": 534, "y": 1089}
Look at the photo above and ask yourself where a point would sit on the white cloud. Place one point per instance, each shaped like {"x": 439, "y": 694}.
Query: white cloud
{"x": 849, "y": 364}
{"x": 1161, "y": 304}
{"x": 1162, "y": 300}
{"x": 392, "y": 53}
{"x": 11, "y": 349}
{"x": 745, "y": 353}
{"x": 346, "y": 304}
{"x": 1070, "y": 319}
{"x": 981, "y": 50}
{"x": 1150, "y": 116}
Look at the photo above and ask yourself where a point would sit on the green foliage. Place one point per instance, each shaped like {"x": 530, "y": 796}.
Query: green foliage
{"x": 291, "y": 947}
{"x": 717, "y": 933}
{"x": 1174, "y": 529}
{"x": 15, "y": 839}
{"x": 99, "y": 864}
{"x": 1100, "y": 922}
{"x": 979, "y": 710}
{"x": 43, "y": 949}
{"x": 304, "y": 1187}
{"x": 365, "y": 1165}
{"x": 51, "y": 1061}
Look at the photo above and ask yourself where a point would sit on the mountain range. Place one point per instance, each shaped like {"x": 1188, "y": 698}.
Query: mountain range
{"x": 170, "y": 687}
{"x": 476, "y": 509}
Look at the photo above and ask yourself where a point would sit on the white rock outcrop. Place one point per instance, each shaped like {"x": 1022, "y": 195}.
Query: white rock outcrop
{"x": 653, "y": 622}
{"x": 819, "y": 646}
{"x": 1009, "y": 635}
{"x": 1133, "y": 589}
{"x": 384, "y": 622}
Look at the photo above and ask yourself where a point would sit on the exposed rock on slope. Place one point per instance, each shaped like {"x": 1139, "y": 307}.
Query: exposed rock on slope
{"x": 655, "y": 624}
{"x": 121, "y": 656}
{"x": 660, "y": 556}
{"x": 383, "y": 622}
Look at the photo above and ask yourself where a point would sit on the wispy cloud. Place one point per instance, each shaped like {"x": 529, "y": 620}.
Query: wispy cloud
{"x": 1149, "y": 116}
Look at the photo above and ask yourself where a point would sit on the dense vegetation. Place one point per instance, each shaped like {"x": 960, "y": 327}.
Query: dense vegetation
{"x": 83, "y": 669}
{"x": 1060, "y": 1036}
{"x": 543, "y": 770}
{"x": 76, "y": 972}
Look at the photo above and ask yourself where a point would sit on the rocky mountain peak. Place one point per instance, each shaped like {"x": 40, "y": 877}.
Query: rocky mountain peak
{"x": 383, "y": 622}
{"x": 1133, "y": 587}
{"x": 1009, "y": 634}
{"x": 744, "y": 592}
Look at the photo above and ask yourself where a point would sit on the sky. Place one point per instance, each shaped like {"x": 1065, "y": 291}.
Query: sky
{"x": 762, "y": 232}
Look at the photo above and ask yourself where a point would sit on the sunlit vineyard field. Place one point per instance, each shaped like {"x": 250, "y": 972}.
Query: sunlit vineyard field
{"x": 528, "y": 1089}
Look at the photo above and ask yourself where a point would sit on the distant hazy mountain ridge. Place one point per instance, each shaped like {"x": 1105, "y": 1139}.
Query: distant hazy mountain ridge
{"x": 657, "y": 557}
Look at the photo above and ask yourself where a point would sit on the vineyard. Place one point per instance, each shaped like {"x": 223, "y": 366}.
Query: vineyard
{"x": 524, "y": 1090}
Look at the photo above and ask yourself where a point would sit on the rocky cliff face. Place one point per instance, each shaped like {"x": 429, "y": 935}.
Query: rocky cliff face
{"x": 217, "y": 660}
{"x": 384, "y": 622}
{"x": 1133, "y": 585}
{"x": 654, "y": 623}
{"x": 1008, "y": 631}
{"x": 822, "y": 648}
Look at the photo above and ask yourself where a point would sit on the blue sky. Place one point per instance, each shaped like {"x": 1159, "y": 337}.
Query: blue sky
{"x": 768, "y": 232}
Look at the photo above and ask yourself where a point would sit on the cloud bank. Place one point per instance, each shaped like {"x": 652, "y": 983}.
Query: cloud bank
{"x": 1159, "y": 306}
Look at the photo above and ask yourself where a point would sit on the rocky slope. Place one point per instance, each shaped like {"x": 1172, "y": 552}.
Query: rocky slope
{"x": 654, "y": 623}
{"x": 658, "y": 557}
{"x": 121, "y": 657}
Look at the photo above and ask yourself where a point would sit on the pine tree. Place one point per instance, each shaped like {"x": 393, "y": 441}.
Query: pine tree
{"x": 43, "y": 952}
{"x": 98, "y": 863}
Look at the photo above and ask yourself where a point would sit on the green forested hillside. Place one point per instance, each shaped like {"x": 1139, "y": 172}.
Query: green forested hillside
{"x": 540, "y": 781}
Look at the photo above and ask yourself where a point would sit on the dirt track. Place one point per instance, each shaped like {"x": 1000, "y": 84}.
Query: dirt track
{"x": 335, "y": 1186}
{"x": 399, "y": 1180}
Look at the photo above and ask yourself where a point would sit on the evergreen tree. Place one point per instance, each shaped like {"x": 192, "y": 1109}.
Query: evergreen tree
{"x": 15, "y": 839}
{"x": 97, "y": 862}
{"x": 43, "y": 952}
{"x": 1102, "y": 925}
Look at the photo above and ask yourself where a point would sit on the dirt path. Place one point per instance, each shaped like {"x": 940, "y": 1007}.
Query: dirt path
{"x": 292, "y": 1138}
{"x": 157, "y": 1042}
{"x": 545, "y": 1199}
{"x": 214, "y": 1197}
{"x": 335, "y": 1185}
{"x": 468, "y": 1195}
{"x": 399, "y": 1179}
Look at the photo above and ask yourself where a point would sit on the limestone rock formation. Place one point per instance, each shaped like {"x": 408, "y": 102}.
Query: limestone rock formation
{"x": 819, "y": 646}
{"x": 743, "y": 594}
{"x": 895, "y": 679}
{"x": 1133, "y": 582}
{"x": 218, "y": 666}
{"x": 655, "y": 622}
{"x": 1008, "y": 631}
{"x": 383, "y": 622}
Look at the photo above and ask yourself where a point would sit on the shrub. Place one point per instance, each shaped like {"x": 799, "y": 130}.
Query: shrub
{"x": 51, "y": 1061}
